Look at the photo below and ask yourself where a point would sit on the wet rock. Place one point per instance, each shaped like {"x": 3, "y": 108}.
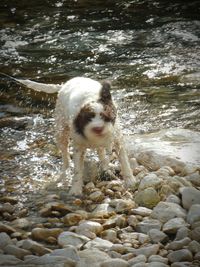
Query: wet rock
{"x": 180, "y": 255}
{"x": 68, "y": 252}
{"x": 70, "y": 238}
{"x": 96, "y": 196}
{"x": 35, "y": 247}
{"x": 17, "y": 252}
{"x": 114, "y": 263}
{"x": 122, "y": 205}
{"x": 171, "y": 226}
{"x": 6, "y": 228}
{"x": 193, "y": 214}
{"x": 44, "y": 234}
{"x": 147, "y": 225}
{"x": 109, "y": 235}
{"x": 15, "y": 122}
{"x": 102, "y": 211}
{"x": 165, "y": 211}
{"x": 7, "y": 207}
{"x": 21, "y": 223}
{"x": 4, "y": 240}
{"x": 91, "y": 257}
{"x": 99, "y": 243}
{"x": 72, "y": 219}
{"x": 11, "y": 199}
{"x": 148, "y": 197}
{"x": 132, "y": 220}
{"x": 157, "y": 236}
{"x": 150, "y": 180}
{"x": 154, "y": 161}
{"x": 194, "y": 178}
{"x": 190, "y": 196}
{"x": 9, "y": 260}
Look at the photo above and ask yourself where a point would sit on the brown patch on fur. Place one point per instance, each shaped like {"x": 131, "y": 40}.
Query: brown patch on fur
{"x": 110, "y": 112}
{"x": 105, "y": 95}
{"x": 84, "y": 116}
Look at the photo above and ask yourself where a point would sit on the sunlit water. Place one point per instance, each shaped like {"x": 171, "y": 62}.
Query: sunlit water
{"x": 145, "y": 48}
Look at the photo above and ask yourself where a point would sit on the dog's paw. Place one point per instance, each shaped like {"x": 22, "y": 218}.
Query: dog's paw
{"x": 130, "y": 183}
{"x": 107, "y": 175}
{"x": 75, "y": 192}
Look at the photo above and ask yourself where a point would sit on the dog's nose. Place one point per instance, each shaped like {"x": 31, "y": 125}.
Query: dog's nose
{"x": 97, "y": 130}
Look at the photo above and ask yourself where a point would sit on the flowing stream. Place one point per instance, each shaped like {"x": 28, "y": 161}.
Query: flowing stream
{"x": 149, "y": 50}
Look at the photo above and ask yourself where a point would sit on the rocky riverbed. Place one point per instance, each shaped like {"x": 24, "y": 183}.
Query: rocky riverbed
{"x": 157, "y": 225}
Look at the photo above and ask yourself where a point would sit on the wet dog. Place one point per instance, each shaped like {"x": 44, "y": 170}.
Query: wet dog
{"x": 85, "y": 113}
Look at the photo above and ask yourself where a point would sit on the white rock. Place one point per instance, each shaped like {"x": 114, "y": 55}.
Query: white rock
{"x": 148, "y": 224}
{"x": 165, "y": 211}
{"x": 150, "y": 180}
{"x": 68, "y": 252}
{"x": 138, "y": 259}
{"x": 173, "y": 199}
{"x": 4, "y": 240}
{"x": 142, "y": 211}
{"x": 9, "y": 260}
{"x": 70, "y": 238}
{"x": 157, "y": 236}
{"x": 147, "y": 250}
{"x": 114, "y": 263}
{"x": 99, "y": 243}
{"x": 193, "y": 214}
{"x": 91, "y": 257}
{"x": 173, "y": 225}
{"x": 90, "y": 226}
{"x": 180, "y": 255}
{"x": 190, "y": 196}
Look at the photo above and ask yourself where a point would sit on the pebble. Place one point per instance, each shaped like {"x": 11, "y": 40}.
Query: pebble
{"x": 72, "y": 219}
{"x": 4, "y": 240}
{"x": 44, "y": 234}
{"x": 146, "y": 225}
{"x": 180, "y": 255}
{"x": 17, "y": 252}
{"x": 148, "y": 197}
{"x": 70, "y": 238}
{"x": 114, "y": 263}
{"x": 157, "y": 236}
{"x": 190, "y": 196}
{"x": 90, "y": 226}
{"x": 171, "y": 226}
{"x": 193, "y": 214}
{"x": 106, "y": 228}
{"x": 165, "y": 211}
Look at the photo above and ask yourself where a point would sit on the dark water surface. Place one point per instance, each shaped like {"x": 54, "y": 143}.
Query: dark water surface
{"x": 148, "y": 49}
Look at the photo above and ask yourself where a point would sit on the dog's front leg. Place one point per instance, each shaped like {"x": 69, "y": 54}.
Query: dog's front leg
{"x": 130, "y": 180}
{"x": 77, "y": 181}
{"x": 105, "y": 159}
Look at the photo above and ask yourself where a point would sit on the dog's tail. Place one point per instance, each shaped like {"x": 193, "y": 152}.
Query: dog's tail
{"x": 40, "y": 87}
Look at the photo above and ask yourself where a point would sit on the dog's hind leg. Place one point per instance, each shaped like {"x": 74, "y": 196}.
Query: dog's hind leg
{"x": 62, "y": 137}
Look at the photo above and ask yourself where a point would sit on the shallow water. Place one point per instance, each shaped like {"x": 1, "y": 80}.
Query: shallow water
{"x": 149, "y": 50}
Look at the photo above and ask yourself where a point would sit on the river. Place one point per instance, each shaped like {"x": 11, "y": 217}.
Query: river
{"x": 149, "y": 50}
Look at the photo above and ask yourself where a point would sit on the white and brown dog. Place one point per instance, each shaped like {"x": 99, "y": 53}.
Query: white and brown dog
{"x": 86, "y": 114}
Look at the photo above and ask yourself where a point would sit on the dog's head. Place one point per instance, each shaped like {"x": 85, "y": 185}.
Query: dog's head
{"x": 96, "y": 119}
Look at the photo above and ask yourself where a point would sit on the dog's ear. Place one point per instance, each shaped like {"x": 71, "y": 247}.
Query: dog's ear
{"x": 105, "y": 95}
